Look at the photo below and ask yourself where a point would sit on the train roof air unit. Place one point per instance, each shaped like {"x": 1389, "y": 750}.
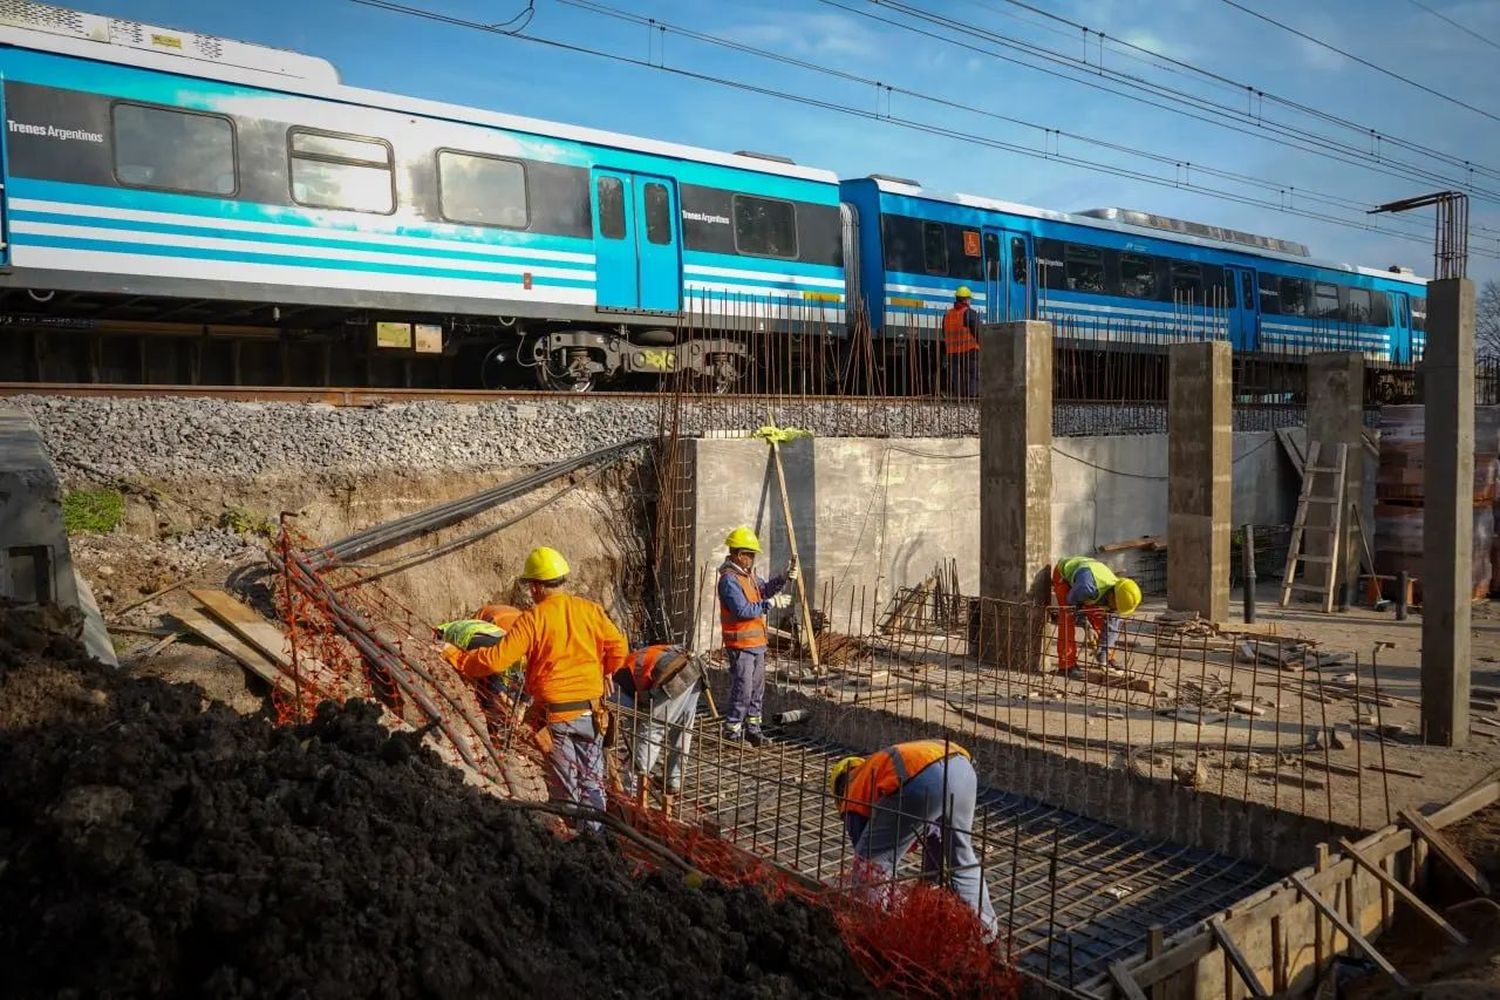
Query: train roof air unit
{"x": 1131, "y": 217}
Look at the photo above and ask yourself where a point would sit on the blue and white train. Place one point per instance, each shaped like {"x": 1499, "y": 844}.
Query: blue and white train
{"x": 241, "y": 200}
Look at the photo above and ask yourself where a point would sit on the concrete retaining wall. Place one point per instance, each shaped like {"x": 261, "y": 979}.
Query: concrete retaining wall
{"x": 874, "y": 515}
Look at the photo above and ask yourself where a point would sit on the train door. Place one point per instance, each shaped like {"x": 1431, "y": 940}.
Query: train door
{"x": 1401, "y": 323}
{"x": 1244, "y": 307}
{"x": 1007, "y": 275}
{"x": 636, "y": 260}
{"x": 656, "y": 244}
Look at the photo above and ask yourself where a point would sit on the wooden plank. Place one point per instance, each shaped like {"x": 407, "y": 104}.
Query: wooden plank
{"x": 1237, "y": 958}
{"x": 1484, "y": 792}
{"x": 1445, "y": 850}
{"x": 1348, "y": 930}
{"x": 246, "y": 624}
{"x": 1403, "y": 892}
{"x": 1148, "y": 542}
{"x": 1403, "y": 771}
{"x": 1125, "y": 982}
{"x": 809, "y": 639}
{"x": 229, "y": 644}
{"x": 156, "y": 647}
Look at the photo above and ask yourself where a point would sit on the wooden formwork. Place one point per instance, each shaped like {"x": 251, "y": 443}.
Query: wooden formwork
{"x": 1278, "y": 933}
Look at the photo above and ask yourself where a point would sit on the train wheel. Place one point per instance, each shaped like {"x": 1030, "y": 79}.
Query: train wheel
{"x": 726, "y": 374}
{"x": 570, "y": 370}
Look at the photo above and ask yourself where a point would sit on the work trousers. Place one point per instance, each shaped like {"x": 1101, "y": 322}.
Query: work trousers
{"x": 575, "y": 766}
{"x": 1067, "y": 642}
{"x": 747, "y": 688}
{"x": 670, "y": 722}
{"x": 963, "y": 374}
{"x": 917, "y": 809}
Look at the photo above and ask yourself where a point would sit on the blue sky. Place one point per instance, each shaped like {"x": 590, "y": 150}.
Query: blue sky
{"x": 387, "y": 51}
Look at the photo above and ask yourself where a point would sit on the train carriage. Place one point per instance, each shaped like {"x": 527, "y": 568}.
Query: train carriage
{"x": 160, "y": 176}
{"x": 1120, "y": 278}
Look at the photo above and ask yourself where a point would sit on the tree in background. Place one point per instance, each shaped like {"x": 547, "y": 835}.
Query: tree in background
{"x": 1487, "y": 321}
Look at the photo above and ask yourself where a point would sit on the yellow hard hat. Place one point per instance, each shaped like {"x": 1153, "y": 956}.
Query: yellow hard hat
{"x": 1127, "y": 596}
{"x": 742, "y": 538}
{"x": 544, "y": 565}
{"x": 964, "y": 293}
{"x": 839, "y": 771}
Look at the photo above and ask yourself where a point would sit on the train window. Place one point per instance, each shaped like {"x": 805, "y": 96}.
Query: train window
{"x": 1294, "y": 297}
{"x": 935, "y": 247}
{"x": 658, "y": 215}
{"x": 1247, "y": 290}
{"x": 174, "y": 150}
{"x": 1325, "y": 300}
{"x": 764, "y": 227}
{"x": 1186, "y": 281}
{"x": 348, "y": 172}
{"x": 1270, "y": 294}
{"x": 1019, "y": 267}
{"x": 1085, "y": 268}
{"x": 1359, "y": 306}
{"x": 1380, "y": 309}
{"x": 482, "y": 190}
{"x": 611, "y": 208}
{"x": 1137, "y": 276}
{"x": 1419, "y": 314}
{"x": 992, "y": 260}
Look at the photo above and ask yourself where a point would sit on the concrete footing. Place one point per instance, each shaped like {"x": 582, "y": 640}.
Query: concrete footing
{"x": 36, "y": 565}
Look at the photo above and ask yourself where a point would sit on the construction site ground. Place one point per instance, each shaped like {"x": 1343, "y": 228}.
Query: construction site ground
{"x": 1211, "y": 719}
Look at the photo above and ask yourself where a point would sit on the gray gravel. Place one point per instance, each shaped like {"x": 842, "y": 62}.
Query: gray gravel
{"x": 173, "y": 437}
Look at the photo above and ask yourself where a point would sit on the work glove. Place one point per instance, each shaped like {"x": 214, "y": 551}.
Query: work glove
{"x": 781, "y": 601}
{"x": 452, "y": 654}
{"x": 793, "y": 571}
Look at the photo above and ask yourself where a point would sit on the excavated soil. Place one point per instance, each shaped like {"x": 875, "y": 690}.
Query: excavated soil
{"x": 157, "y": 843}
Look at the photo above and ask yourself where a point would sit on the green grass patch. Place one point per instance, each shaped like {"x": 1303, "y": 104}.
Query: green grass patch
{"x": 247, "y": 522}
{"x": 93, "y": 512}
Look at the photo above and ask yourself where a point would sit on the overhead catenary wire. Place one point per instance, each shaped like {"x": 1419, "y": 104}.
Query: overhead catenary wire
{"x": 1362, "y": 61}
{"x": 1461, "y": 27}
{"x": 1244, "y": 120}
{"x": 1176, "y": 182}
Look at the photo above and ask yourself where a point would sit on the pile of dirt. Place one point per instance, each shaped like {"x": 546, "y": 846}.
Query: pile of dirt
{"x": 156, "y": 843}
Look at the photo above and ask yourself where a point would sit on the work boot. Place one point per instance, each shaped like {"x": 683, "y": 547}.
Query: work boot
{"x": 734, "y": 732}
{"x": 753, "y": 735}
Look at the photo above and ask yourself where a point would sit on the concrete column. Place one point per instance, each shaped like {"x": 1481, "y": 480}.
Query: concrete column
{"x": 1200, "y": 453}
{"x": 1015, "y": 489}
{"x": 1448, "y": 511}
{"x": 1335, "y": 415}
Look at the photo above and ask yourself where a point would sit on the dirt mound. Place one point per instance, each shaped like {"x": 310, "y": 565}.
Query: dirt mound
{"x": 159, "y": 844}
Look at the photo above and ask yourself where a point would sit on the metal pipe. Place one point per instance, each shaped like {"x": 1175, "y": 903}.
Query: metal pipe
{"x": 1247, "y": 559}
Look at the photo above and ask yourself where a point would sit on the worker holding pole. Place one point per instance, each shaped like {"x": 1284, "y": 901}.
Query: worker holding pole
{"x": 570, "y": 647}
{"x": 658, "y": 690}
{"x": 744, "y": 599}
{"x": 1093, "y": 590}
{"x": 921, "y": 789}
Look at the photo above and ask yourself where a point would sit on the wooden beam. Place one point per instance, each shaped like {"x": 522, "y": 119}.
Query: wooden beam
{"x": 1125, "y": 982}
{"x": 1403, "y": 892}
{"x": 1237, "y": 959}
{"x": 1445, "y": 850}
{"x": 1322, "y": 906}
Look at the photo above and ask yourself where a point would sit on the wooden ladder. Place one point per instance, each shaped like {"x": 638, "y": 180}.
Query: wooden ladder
{"x": 1335, "y": 504}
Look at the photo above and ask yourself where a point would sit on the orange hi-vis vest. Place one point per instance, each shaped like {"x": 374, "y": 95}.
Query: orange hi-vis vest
{"x": 957, "y": 337}
{"x": 742, "y": 633}
{"x": 652, "y": 662}
{"x": 886, "y": 771}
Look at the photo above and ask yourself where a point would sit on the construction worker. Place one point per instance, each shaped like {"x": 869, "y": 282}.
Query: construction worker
{"x": 961, "y": 344}
{"x": 570, "y": 646}
{"x": 1092, "y": 588}
{"x": 497, "y": 693}
{"x": 658, "y": 688}
{"x": 926, "y": 789}
{"x": 743, "y": 601}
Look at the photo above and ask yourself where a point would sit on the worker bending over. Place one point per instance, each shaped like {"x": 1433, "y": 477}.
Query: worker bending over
{"x": 499, "y": 693}
{"x": 570, "y": 646}
{"x": 1091, "y": 588}
{"x": 661, "y": 684}
{"x": 743, "y": 601}
{"x": 922, "y": 789}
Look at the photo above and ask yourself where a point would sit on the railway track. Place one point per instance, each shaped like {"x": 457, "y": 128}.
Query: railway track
{"x": 337, "y": 396}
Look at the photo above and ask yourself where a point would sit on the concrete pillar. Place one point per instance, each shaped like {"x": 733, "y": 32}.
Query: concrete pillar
{"x": 1015, "y": 489}
{"x": 1335, "y": 415}
{"x": 1448, "y": 511}
{"x": 1200, "y": 457}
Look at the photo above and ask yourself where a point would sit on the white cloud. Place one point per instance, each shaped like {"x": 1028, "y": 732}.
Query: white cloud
{"x": 809, "y": 34}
